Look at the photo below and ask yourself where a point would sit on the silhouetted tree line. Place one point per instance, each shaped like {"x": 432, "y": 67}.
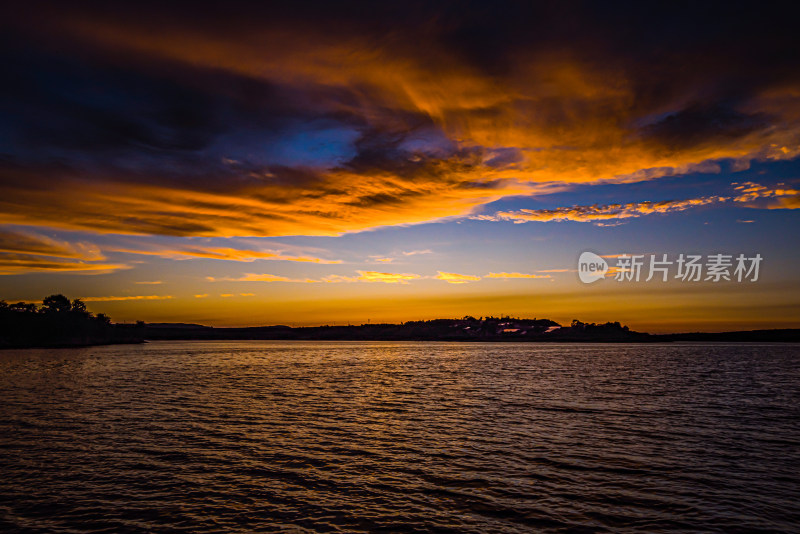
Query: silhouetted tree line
{"x": 485, "y": 322}
{"x": 60, "y": 321}
{"x": 589, "y": 327}
{"x": 468, "y": 328}
{"x": 580, "y": 331}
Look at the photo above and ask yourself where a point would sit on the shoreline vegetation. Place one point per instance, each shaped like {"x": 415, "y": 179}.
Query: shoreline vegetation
{"x": 61, "y": 322}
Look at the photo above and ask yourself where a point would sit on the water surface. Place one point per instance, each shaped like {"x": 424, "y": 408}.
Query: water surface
{"x": 400, "y": 437}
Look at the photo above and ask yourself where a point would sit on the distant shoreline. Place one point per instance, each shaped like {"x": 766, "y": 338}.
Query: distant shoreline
{"x": 67, "y": 330}
{"x": 72, "y": 345}
{"x": 458, "y": 330}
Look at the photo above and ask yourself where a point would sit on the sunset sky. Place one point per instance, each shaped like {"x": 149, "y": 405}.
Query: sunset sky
{"x": 321, "y": 163}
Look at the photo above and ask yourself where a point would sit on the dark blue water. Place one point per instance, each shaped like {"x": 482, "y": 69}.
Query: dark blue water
{"x": 400, "y": 437}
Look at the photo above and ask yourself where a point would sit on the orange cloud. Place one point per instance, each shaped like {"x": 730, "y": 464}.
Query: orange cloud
{"x": 386, "y": 278}
{"x": 36, "y": 244}
{"x": 455, "y": 278}
{"x": 759, "y": 196}
{"x": 222, "y": 253}
{"x": 353, "y": 202}
{"x": 20, "y": 264}
{"x": 612, "y": 211}
{"x": 790, "y": 203}
{"x": 26, "y": 252}
{"x": 252, "y": 277}
{"x": 363, "y": 276}
{"x": 374, "y": 276}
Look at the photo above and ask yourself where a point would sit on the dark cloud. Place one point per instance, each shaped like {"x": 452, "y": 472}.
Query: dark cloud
{"x": 698, "y": 125}
{"x": 64, "y": 104}
{"x": 250, "y": 118}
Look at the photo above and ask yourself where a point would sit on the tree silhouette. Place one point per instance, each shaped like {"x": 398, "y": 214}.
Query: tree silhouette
{"x": 78, "y": 307}
{"x": 56, "y": 304}
{"x": 23, "y": 307}
{"x": 60, "y": 322}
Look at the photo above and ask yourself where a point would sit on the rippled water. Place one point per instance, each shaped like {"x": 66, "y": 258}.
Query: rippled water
{"x": 400, "y": 437}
